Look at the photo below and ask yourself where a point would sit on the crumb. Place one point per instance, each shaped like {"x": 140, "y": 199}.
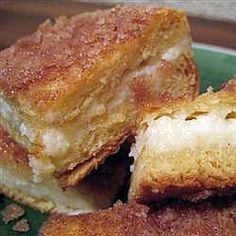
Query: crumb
{"x": 22, "y": 226}
{"x": 12, "y": 212}
{"x": 210, "y": 89}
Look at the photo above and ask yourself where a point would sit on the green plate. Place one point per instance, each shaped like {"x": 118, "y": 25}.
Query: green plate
{"x": 216, "y": 65}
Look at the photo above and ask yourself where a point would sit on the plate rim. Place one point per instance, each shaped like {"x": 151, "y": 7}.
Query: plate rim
{"x": 214, "y": 48}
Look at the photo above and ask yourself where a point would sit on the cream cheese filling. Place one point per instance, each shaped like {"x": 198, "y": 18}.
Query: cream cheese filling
{"x": 173, "y": 134}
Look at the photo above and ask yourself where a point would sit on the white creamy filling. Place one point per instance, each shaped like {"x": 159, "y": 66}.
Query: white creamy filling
{"x": 168, "y": 134}
{"x": 70, "y": 201}
{"x": 174, "y": 52}
{"x": 55, "y": 143}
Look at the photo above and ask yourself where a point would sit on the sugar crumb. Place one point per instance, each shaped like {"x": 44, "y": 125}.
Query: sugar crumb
{"x": 12, "y": 212}
{"x": 22, "y": 226}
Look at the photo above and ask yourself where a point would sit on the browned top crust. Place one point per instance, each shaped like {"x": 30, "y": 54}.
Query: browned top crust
{"x": 216, "y": 217}
{"x": 56, "y": 60}
{"x": 121, "y": 220}
{"x": 207, "y": 218}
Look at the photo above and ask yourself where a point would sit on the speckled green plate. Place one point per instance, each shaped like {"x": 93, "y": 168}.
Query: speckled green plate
{"x": 216, "y": 65}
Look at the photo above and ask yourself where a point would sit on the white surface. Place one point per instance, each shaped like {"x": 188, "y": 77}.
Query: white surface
{"x": 55, "y": 143}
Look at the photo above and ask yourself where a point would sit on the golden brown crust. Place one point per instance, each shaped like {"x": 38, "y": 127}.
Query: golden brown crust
{"x": 208, "y": 218}
{"x": 216, "y": 217}
{"x": 195, "y": 175}
{"x": 81, "y": 40}
{"x": 119, "y": 220}
{"x": 52, "y": 67}
{"x": 192, "y": 192}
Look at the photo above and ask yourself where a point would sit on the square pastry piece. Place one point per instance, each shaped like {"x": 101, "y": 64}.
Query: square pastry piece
{"x": 70, "y": 92}
{"x": 186, "y": 149}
